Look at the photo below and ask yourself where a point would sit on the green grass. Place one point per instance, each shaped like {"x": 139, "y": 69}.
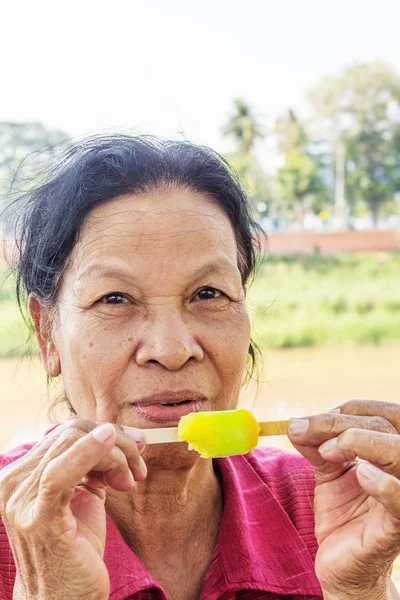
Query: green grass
{"x": 333, "y": 300}
{"x": 295, "y": 301}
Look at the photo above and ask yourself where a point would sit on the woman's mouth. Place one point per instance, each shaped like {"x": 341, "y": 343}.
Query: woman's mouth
{"x": 169, "y": 407}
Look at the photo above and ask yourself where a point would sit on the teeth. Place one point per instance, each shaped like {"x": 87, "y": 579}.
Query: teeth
{"x": 176, "y": 403}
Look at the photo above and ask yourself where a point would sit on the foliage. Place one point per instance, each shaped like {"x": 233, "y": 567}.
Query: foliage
{"x": 299, "y": 180}
{"x": 25, "y": 150}
{"x": 243, "y": 127}
{"x": 361, "y": 109}
{"x": 290, "y": 133}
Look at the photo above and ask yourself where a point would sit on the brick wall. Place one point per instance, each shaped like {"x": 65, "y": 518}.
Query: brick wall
{"x": 308, "y": 242}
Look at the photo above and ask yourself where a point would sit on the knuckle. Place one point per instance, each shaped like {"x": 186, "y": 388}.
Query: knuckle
{"x": 69, "y": 436}
{"x": 49, "y": 475}
{"x": 114, "y": 460}
{"x": 349, "y": 437}
{"x": 84, "y": 425}
{"x": 75, "y": 424}
{"x": 327, "y": 423}
{"x": 381, "y": 424}
{"x": 388, "y": 487}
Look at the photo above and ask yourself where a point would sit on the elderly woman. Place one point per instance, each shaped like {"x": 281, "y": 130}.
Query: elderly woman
{"x": 134, "y": 256}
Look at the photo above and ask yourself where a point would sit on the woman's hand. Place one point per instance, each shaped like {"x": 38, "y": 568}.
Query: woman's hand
{"x": 52, "y": 505}
{"x": 357, "y": 504}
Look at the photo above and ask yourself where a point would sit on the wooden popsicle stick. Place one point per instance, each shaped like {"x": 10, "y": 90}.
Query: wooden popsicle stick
{"x": 274, "y": 427}
{"x": 165, "y": 435}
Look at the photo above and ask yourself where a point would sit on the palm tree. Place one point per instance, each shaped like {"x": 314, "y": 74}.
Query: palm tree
{"x": 243, "y": 127}
{"x": 290, "y": 132}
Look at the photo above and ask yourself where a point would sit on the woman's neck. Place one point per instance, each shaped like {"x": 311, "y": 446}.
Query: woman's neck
{"x": 172, "y": 511}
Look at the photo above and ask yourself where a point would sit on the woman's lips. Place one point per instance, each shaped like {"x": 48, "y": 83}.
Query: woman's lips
{"x": 169, "y": 406}
{"x": 167, "y": 413}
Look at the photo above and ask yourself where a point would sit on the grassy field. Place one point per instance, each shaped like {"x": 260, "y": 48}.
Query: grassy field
{"x": 294, "y": 302}
{"x": 327, "y": 300}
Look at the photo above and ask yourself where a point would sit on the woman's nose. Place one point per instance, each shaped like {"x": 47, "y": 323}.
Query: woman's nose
{"x": 168, "y": 342}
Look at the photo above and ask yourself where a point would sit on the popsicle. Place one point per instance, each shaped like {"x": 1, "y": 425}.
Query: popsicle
{"x": 217, "y": 434}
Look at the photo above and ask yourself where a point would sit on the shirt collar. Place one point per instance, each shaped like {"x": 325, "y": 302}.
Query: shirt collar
{"x": 258, "y": 546}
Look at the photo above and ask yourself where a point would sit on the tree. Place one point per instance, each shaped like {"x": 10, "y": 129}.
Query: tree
{"x": 243, "y": 128}
{"x": 361, "y": 109}
{"x": 21, "y": 143}
{"x": 290, "y": 133}
{"x": 299, "y": 180}
{"x": 18, "y": 140}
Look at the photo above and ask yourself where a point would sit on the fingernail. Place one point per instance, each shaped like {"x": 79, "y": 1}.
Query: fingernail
{"x": 143, "y": 467}
{"x": 298, "y": 427}
{"x": 335, "y": 410}
{"x": 327, "y": 446}
{"x": 131, "y": 479}
{"x": 103, "y": 432}
{"x": 140, "y": 470}
{"x": 368, "y": 471}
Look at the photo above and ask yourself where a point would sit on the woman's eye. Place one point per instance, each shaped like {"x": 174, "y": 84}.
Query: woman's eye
{"x": 114, "y": 298}
{"x": 208, "y": 293}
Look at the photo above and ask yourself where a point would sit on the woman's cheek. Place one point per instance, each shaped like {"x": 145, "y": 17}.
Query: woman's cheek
{"x": 228, "y": 337}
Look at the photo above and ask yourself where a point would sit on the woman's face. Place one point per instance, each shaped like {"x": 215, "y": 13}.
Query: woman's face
{"x": 151, "y": 303}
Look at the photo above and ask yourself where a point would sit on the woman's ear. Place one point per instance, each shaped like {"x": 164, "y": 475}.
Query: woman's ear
{"x": 42, "y": 317}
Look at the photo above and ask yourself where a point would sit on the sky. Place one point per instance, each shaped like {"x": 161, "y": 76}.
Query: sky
{"x": 173, "y": 67}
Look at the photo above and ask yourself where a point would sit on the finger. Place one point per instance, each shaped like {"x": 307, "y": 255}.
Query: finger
{"x": 385, "y": 488}
{"x": 382, "y": 449}
{"x": 324, "y": 470}
{"x": 66, "y": 471}
{"x": 35, "y": 455}
{"x": 315, "y": 430}
{"x": 118, "y": 469}
{"x": 388, "y": 410}
{"x": 123, "y": 457}
{"x": 132, "y": 443}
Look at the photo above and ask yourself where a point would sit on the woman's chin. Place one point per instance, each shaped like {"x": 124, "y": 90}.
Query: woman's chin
{"x": 175, "y": 455}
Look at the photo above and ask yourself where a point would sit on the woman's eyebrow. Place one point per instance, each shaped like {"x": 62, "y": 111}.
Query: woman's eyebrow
{"x": 107, "y": 271}
{"x": 222, "y": 265}
{"x": 219, "y": 266}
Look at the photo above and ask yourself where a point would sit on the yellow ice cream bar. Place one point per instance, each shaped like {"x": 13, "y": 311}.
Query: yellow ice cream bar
{"x": 219, "y": 434}
{"x": 216, "y": 434}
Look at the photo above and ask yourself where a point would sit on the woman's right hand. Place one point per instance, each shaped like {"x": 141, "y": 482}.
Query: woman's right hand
{"x": 52, "y": 502}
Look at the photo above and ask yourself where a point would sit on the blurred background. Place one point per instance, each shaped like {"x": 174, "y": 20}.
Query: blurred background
{"x": 303, "y": 98}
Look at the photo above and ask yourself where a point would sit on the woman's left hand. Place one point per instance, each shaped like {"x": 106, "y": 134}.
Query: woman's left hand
{"x": 357, "y": 504}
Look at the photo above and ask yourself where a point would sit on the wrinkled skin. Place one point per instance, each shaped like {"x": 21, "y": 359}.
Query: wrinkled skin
{"x": 132, "y": 318}
{"x": 357, "y": 519}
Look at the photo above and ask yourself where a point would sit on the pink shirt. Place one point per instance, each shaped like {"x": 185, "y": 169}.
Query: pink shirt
{"x": 266, "y": 544}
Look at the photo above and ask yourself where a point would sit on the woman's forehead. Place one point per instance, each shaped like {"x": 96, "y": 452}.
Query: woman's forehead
{"x": 174, "y": 224}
